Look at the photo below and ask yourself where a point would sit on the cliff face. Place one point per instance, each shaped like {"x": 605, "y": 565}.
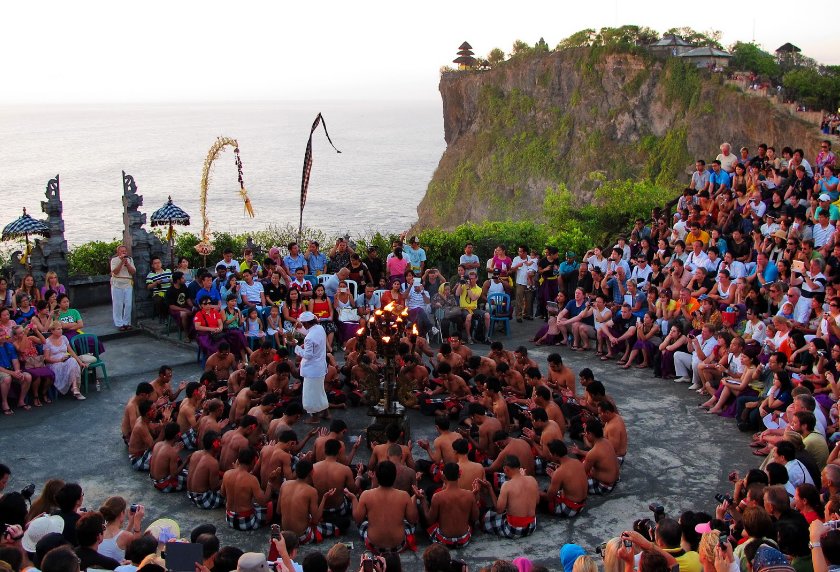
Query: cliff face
{"x": 532, "y": 123}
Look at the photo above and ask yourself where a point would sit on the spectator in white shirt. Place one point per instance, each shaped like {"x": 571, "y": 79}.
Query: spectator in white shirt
{"x": 696, "y": 258}
{"x": 823, "y": 231}
{"x": 701, "y": 348}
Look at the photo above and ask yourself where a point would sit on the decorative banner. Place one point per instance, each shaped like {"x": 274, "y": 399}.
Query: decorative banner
{"x": 307, "y": 166}
{"x": 204, "y": 247}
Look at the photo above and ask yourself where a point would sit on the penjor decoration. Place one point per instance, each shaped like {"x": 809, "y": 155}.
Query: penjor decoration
{"x": 307, "y": 166}
{"x": 204, "y": 247}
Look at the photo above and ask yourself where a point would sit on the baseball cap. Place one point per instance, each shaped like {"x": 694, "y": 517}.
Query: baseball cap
{"x": 306, "y": 317}
{"x": 825, "y": 197}
{"x": 414, "y": 239}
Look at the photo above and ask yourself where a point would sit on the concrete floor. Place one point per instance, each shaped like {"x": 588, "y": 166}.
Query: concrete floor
{"x": 678, "y": 456}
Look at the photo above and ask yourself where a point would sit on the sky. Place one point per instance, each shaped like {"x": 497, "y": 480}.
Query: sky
{"x": 95, "y": 51}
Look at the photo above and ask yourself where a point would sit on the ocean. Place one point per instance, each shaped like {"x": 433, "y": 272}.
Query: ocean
{"x": 388, "y": 154}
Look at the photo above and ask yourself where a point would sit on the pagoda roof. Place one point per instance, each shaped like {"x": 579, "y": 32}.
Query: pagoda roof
{"x": 466, "y": 60}
{"x": 705, "y": 51}
{"x": 465, "y": 46}
{"x": 671, "y": 40}
{"x": 787, "y": 47}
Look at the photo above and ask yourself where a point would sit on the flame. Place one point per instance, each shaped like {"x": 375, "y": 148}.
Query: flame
{"x": 414, "y": 330}
{"x": 371, "y": 319}
{"x": 386, "y": 339}
{"x": 360, "y": 332}
{"x": 390, "y": 307}
{"x": 378, "y": 312}
{"x": 405, "y": 313}
{"x": 399, "y": 321}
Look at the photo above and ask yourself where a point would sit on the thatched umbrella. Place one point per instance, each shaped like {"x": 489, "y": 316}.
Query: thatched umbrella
{"x": 24, "y": 226}
{"x": 170, "y": 214}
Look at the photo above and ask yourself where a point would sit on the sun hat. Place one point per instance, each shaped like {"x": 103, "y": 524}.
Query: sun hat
{"x": 307, "y": 317}
{"x": 252, "y": 562}
{"x": 164, "y": 530}
{"x": 40, "y": 527}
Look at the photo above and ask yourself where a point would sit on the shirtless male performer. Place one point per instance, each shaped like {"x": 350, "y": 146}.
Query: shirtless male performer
{"x": 222, "y": 363}
{"x": 452, "y": 512}
{"x": 212, "y": 420}
{"x": 386, "y": 517}
{"x": 615, "y": 430}
{"x": 162, "y": 385}
{"x": 187, "y": 415}
{"x": 440, "y": 452}
{"x": 380, "y": 450}
{"x": 469, "y": 470}
{"x": 487, "y": 428}
{"x": 328, "y": 475}
{"x": 569, "y": 487}
{"x": 167, "y": 471}
{"x": 144, "y": 392}
{"x": 548, "y": 432}
{"x": 510, "y": 447}
{"x": 278, "y": 455}
{"x": 301, "y": 512}
{"x": 515, "y": 509}
{"x": 143, "y": 435}
{"x": 246, "y": 399}
{"x": 338, "y": 430}
{"x": 203, "y": 479}
{"x": 235, "y": 441}
{"x": 247, "y": 506}
{"x": 600, "y": 462}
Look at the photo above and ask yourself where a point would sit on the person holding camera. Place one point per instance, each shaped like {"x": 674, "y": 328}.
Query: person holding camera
{"x": 666, "y": 544}
{"x": 469, "y": 294}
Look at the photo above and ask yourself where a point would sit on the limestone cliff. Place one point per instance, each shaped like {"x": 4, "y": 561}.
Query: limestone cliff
{"x": 552, "y": 118}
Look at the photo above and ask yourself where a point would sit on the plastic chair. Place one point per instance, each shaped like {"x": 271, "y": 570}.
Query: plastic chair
{"x": 354, "y": 288}
{"x": 169, "y": 326}
{"x": 312, "y": 278}
{"x": 322, "y": 278}
{"x": 498, "y": 305}
{"x": 89, "y": 344}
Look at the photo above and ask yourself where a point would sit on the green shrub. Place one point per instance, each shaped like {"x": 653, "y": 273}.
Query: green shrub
{"x": 91, "y": 258}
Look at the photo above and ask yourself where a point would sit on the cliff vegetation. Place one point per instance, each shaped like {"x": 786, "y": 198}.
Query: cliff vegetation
{"x": 587, "y": 135}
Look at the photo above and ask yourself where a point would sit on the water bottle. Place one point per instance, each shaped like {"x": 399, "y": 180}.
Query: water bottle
{"x": 98, "y": 385}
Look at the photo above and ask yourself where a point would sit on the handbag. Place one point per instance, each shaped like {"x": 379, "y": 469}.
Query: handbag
{"x": 34, "y": 362}
{"x": 215, "y": 336}
{"x": 348, "y": 315}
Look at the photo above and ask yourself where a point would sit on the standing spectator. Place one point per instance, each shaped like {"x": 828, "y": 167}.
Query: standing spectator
{"x": 469, "y": 260}
{"x": 523, "y": 265}
{"x": 374, "y": 266}
{"x": 122, "y": 287}
{"x": 316, "y": 260}
{"x": 416, "y": 256}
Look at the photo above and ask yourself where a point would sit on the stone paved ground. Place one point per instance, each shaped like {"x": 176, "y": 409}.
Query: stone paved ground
{"x": 678, "y": 456}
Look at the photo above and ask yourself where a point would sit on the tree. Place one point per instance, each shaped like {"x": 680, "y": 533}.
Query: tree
{"x": 541, "y": 46}
{"x": 750, "y": 57}
{"x": 520, "y": 48}
{"x": 814, "y": 88}
{"x": 581, "y": 39}
{"x": 496, "y": 56}
{"x": 692, "y": 36}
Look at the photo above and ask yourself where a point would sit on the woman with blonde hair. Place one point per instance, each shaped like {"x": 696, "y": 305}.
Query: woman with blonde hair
{"x": 584, "y": 564}
{"x": 51, "y": 283}
{"x": 119, "y": 530}
{"x": 706, "y": 551}
{"x": 45, "y": 503}
{"x": 612, "y": 563}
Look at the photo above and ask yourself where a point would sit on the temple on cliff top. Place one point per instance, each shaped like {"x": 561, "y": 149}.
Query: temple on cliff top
{"x": 465, "y": 59}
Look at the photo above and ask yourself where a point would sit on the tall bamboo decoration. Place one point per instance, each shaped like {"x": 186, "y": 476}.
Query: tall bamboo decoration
{"x": 307, "y": 167}
{"x": 204, "y": 247}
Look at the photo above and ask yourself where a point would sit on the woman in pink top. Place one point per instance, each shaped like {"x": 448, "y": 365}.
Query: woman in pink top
{"x": 396, "y": 266}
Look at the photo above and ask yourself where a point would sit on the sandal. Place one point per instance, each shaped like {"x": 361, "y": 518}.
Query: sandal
{"x": 642, "y": 366}
{"x": 761, "y": 452}
{"x": 25, "y": 407}
{"x": 606, "y": 357}
{"x": 8, "y": 412}
{"x": 37, "y": 402}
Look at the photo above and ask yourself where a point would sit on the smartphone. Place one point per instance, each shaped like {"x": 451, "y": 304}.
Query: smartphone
{"x": 349, "y": 545}
{"x": 275, "y": 531}
{"x": 368, "y": 562}
{"x": 628, "y": 543}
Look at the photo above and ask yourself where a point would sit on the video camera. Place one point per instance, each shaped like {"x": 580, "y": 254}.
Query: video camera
{"x": 646, "y": 526}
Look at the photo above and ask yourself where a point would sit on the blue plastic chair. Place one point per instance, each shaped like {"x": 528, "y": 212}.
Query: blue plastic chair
{"x": 89, "y": 344}
{"x": 499, "y": 307}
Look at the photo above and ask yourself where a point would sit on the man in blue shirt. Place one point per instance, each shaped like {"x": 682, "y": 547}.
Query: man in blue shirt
{"x": 719, "y": 180}
{"x": 10, "y": 370}
{"x": 295, "y": 259}
{"x": 316, "y": 260}
{"x": 207, "y": 289}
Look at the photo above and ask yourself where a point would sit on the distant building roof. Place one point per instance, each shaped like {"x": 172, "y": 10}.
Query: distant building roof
{"x": 465, "y": 60}
{"x": 787, "y": 48}
{"x": 670, "y": 40}
{"x": 705, "y": 52}
{"x": 465, "y": 46}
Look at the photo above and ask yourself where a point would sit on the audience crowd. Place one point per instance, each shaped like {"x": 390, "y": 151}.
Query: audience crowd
{"x": 736, "y": 294}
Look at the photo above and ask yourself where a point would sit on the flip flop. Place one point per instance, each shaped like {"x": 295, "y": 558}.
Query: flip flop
{"x": 605, "y": 358}
{"x": 37, "y": 403}
{"x": 8, "y": 412}
{"x": 25, "y": 407}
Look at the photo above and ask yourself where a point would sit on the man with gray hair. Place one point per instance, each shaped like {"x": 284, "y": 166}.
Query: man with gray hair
{"x": 801, "y": 306}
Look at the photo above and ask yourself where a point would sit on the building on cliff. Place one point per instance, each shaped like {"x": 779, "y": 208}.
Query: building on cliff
{"x": 465, "y": 59}
{"x": 669, "y": 45}
{"x": 707, "y": 57}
